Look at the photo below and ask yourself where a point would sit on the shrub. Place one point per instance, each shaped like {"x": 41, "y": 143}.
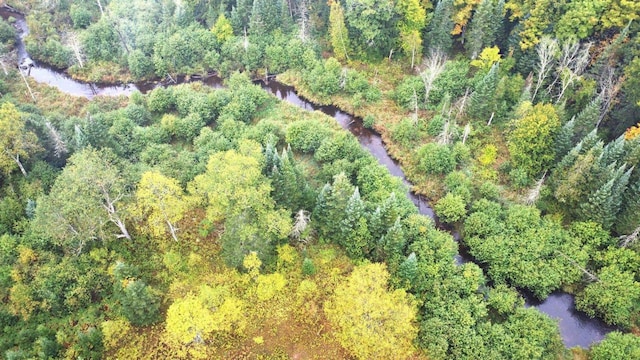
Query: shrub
{"x": 436, "y": 159}
{"x": 451, "y": 208}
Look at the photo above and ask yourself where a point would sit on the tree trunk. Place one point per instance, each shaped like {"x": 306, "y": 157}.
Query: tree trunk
{"x": 173, "y": 230}
{"x": 17, "y": 160}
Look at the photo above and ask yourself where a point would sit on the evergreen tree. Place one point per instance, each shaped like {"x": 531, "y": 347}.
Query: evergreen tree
{"x": 139, "y": 304}
{"x": 408, "y": 271}
{"x": 394, "y": 242}
{"x": 481, "y": 104}
{"x": 629, "y": 217}
{"x": 321, "y": 210}
{"x": 587, "y": 119}
{"x": 290, "y": 188}
{"x": 336, "y": 202}
{"x": 564, "y": 139}
{"x": 354, "y": 235}
{"x": 240, "y": 15}
{"x": 484, "y": 27}
{"x": 438, "y": 34}
{"x": 266, "y": 16}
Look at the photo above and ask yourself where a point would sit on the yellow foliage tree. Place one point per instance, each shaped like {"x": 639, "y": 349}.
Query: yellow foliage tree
{"x": 222, "y": 29}
{"x": 487, "y": 58}
{"x": 371, "y": 321}
{"x": 462, "y": 15}
{"x": 162, "y": 201}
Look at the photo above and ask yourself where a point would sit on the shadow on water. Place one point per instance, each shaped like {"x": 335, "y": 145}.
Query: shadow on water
{"x": 575, "y": 327}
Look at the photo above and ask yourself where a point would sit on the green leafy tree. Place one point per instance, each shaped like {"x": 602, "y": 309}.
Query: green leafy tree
{"x": 338, "y": 33}
{"x": 372, "y": 321}
{"x": 616, "y": 346}
{"x": 531, "y": 141}
{"x": 373, "y": 23}
{"x": 86, "y": 196}
{"x": 451, "y": 208}
{"x": 17, "y": 143}
{"x": 243, "y": 204}
{"x": 602, "y": 298}
{"x": 412, "y": 21}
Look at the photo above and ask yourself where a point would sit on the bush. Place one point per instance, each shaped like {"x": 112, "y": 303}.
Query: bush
{"x": 519, "y": 178}
{"x": 161, "y": 100}
{"x": 436, "y": 159}
{"x": 436, "y": 124}
{"x": 369, "y": 121}
{"x": 7, "y": 33}
{"x": 451, "y": 208}
{"x": 308, "y": 268}
{"x": 461, "y": 153}
{"x": 80, "y": 16}
{"x": 404, "y": 133}
{"x": 306, "y": 135}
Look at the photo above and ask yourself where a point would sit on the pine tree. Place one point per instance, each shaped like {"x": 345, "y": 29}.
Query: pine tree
{"x": 240, "y": 15}
{"x": 321, "y": 210}
{"x": 394, "y": 244}
{"x": 338, "y": 33}
{"x": 564, "y": 139}
{"x": 354, "y": 235}
{"x": 599, "y": 206}
{"x": 587, "y": 119}
{"x": 484, "y": 27}
{"x": 438, "y": 34}
{"x": 481, "y": 104}
{"x": 139, "y": 304}
{"x": 266, "y": 16}
{"x": 408, "y": 271}
{"x": 629, "y": 216}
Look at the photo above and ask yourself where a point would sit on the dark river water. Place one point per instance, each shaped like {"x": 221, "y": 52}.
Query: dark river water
{"x": 576, "y": 328}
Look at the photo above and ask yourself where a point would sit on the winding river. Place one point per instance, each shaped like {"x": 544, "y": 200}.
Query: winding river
{"x": 576, "y": 328}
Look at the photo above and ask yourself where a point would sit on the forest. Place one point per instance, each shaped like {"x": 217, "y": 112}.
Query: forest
{"x": 189, "y": 221}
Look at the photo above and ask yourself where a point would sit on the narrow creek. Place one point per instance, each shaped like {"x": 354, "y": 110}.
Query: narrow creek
{"x": 576, "y": 328}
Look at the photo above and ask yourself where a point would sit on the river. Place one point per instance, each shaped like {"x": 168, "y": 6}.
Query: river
{"x": 576, "y": 328}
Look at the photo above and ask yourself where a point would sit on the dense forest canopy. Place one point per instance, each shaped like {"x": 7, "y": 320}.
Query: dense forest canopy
{"x": 193, "y": 222}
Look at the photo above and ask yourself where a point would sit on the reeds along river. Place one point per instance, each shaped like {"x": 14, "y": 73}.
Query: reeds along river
{"x": 575, "y": 327}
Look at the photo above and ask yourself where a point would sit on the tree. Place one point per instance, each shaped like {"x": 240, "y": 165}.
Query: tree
{"x": 438, "y": 32}
{"x": 602, "y": 298}
{"x": 616, "y": 346}
{"x": 85, "y": 197}
{"x": 531, "y": 142}
{"x": 222, "y": 29}
{"x": 140, "y": 305}
{"x": 242, "y": 203}
{"x": 374, "y": 24}
{"x": 484, "y": 27}
{"x": 451, "y": 208}
{"x": 412, "y": 21}
{"x": 17, "y": 143}
{"x": 372, "y": 321}
{"x": 162, "y": 202}
{"x": 579, "y": 19}
{"x": 338, "y": 32}
{"x": 481, "y": 103}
